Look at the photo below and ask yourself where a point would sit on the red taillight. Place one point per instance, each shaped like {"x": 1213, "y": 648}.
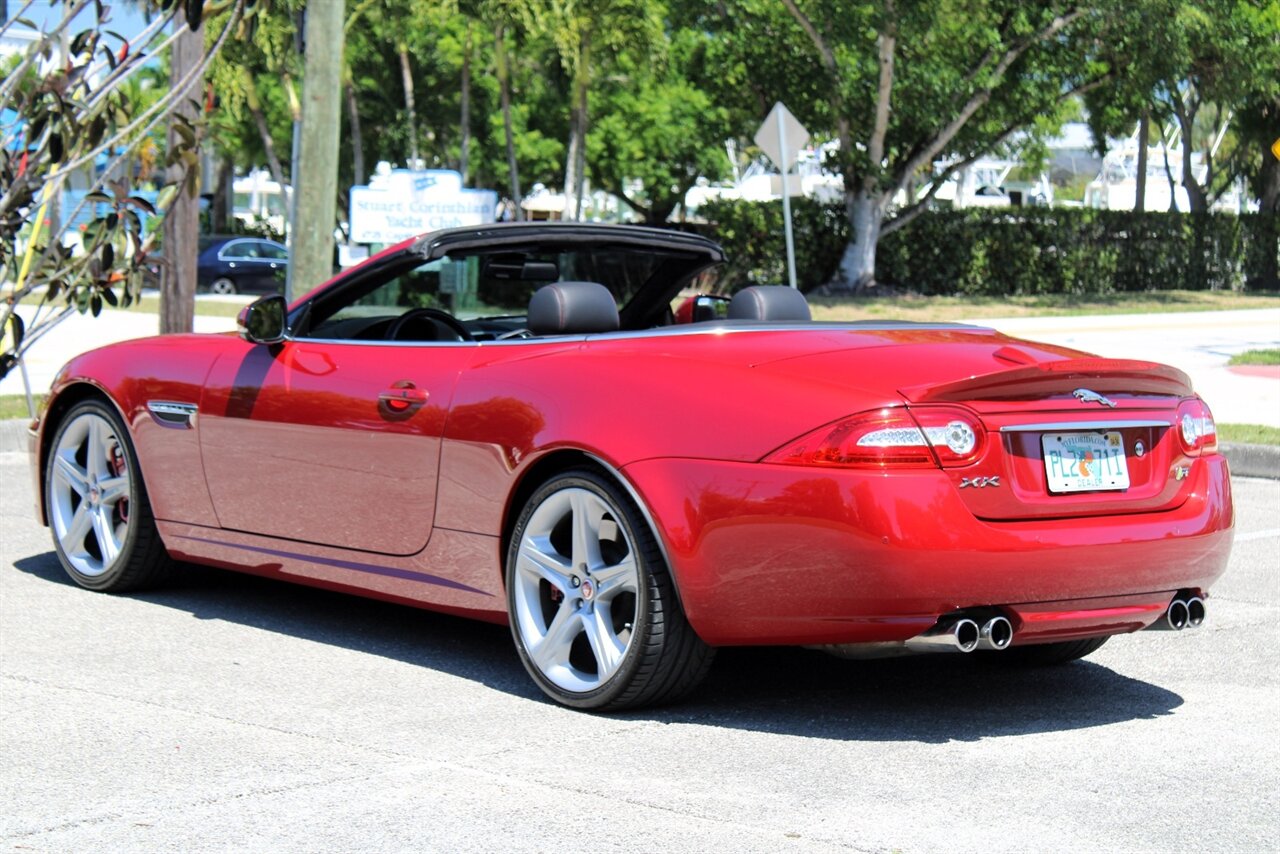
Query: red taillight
{"x": 923, "y": 437}
{"x": 1197, "y": 434}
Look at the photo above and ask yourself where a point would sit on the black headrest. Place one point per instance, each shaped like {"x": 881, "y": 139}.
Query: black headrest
{"x": 569, "y": 307}
{"x": 769, "y": 302}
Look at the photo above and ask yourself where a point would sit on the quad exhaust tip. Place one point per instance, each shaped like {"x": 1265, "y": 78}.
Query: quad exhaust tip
{"x": 962, "y": 635}
{"x": 996, "y": 634}
{"x": 955, "y": 632}
{"x": 1182, "y": 613}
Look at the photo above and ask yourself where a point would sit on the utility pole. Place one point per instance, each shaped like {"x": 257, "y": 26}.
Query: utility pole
{"x": 181, "y": 229}
{"x": 315, "y": 185}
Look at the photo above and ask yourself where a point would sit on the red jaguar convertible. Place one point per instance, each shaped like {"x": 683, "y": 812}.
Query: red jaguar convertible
{"x": 526, "y": 424}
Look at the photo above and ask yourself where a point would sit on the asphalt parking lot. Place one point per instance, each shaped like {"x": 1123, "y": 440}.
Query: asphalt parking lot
{"x": 234, "y": 713}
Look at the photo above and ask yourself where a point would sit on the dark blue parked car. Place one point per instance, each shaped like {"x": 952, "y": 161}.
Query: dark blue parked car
{"x": 241, "y": 265}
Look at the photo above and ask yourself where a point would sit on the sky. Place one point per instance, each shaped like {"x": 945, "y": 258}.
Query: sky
{"x": 126, "y": 18}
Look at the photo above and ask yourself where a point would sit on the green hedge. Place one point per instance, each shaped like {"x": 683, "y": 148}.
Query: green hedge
{"x": 1010, "y": 250}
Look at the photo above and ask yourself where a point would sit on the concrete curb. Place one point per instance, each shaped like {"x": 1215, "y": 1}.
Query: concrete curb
{"x": 1253, "y": 460}
{"x": 1246, "y": 460}
{"x": 13, "y": 434}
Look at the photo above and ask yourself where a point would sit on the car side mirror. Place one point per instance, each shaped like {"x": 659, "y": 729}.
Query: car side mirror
{"x": 710, "y": 307}
{"x": 262, "y": 321}
{"x": 700, "y": 307}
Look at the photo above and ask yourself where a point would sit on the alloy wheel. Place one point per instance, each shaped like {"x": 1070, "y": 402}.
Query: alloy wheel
{"x": 89, "y": 501}
{"x": 576, "y": 589}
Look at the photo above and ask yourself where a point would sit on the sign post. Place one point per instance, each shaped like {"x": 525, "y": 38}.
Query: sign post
{"x": 781, "y": 137}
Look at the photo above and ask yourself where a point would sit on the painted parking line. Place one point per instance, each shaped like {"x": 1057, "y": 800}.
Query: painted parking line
{"x": 1258, "y": 535}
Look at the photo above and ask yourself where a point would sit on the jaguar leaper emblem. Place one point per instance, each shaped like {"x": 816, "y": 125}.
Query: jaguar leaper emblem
{"x": 1084, "y": 395}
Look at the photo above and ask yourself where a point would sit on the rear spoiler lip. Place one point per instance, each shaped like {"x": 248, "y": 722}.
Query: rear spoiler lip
{"x": 1115, "y": 376}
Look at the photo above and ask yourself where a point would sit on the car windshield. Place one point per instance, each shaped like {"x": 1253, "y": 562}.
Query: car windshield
{"x": 474, "y": 286}
{"x": 477, "y": 285}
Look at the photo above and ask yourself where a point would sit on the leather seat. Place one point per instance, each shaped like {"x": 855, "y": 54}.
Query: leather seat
{"x": 565, "y": 308}
{"x": 769, "y": 302}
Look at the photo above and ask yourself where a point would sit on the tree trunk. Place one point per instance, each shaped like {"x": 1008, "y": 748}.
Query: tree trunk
{"x": 264, "y": 132}
{"x": 1269, "y": 184}
{"x": 465, "y": 118}
{"x": 1197, "y": 199}
{"x": 182, "y": 221}
{"x": 221, "y": 211}
{"x": 357, "y": 136}
{"x": 858, "y": 265}
{"x": 504, "y": 93}
{"x": 571, "y": 178}
{"x": 311, "y": 252}
{"x": 574, "y": 178}
{"x": 1269, "y": 196}
{"x": 1140, "y": 183}
{"x": 1168, "y": 174}
{"x": 406, "y": 75}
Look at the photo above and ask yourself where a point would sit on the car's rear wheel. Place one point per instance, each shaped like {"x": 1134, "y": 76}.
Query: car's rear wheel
{"x": 103, "y": 530}
{"x": 592, "y": 604}
{"x": 222, "y": 286}
{"x": 1047, "y": 654}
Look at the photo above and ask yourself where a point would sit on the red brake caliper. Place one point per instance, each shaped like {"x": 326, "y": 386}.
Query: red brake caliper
{"x": 117, "y": 465}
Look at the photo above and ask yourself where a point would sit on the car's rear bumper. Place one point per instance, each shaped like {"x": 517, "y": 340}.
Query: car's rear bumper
{"x": 773, "y": 554}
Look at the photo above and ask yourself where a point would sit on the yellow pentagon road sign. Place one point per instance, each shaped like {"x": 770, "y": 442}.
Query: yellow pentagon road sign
{"x": 1275, "y": 149}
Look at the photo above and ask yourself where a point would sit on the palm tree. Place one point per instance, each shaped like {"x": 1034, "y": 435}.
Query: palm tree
{"x": 587, "y": 33}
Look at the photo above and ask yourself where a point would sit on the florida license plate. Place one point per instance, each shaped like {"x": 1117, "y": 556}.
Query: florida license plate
{"x": 1084, "y": 462}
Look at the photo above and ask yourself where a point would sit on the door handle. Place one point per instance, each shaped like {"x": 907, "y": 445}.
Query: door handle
{"x": 402, "y": 396}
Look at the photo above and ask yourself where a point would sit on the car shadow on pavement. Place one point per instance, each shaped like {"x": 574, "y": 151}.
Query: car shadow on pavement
{"x": 926, "y": 698}
{"x": 930, "y": 699}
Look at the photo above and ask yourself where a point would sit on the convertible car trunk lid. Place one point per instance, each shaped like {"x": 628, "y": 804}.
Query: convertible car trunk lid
{"x": 1050, "y": 415}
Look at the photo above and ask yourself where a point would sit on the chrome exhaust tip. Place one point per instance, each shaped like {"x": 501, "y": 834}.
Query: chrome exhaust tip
{"x": 996, "y": 633}
{"x": 1195, "y": 612}
{"x": 961, "y": 635}
{"x": 1174, "y": 618}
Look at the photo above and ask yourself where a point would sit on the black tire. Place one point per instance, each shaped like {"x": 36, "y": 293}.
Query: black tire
{"x": 1049, "y": 654}
{"x": 662, "y": 658}
{"x": 88, "y": 437}
{"x": 223, "y": 285}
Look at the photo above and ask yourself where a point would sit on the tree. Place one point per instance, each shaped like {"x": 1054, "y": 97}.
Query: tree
{"x": 252, "y": 119}
{"x": 657, "y": 132}
{"x": 1227, "y": 53}
{"x": 311, "y": 247}
{"x": 1206, "y": 68}
{"x": 587, "y": 33}
{"x": 181, "y": 227}
{"x": 912, "y": 91}
{"x": 63, "y": 108}
{"x": 1259, "y": 123}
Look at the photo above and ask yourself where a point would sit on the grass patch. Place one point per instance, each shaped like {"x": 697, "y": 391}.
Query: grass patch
{"x": 1256, "y": 357}
{"x": 15, "y": 405}
{"x": 922, "y": 308}
{"x": 1249, "y": 434}
{"x": 150, "y": 304}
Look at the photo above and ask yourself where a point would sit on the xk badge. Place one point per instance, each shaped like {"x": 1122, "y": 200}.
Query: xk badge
{"x": 979, "y": 482}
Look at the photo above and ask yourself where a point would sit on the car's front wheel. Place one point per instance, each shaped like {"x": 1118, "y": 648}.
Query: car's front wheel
{"x": 222, "y": 286}
{"x": 103, "y": 530}
{"x": 592, "y": 604}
